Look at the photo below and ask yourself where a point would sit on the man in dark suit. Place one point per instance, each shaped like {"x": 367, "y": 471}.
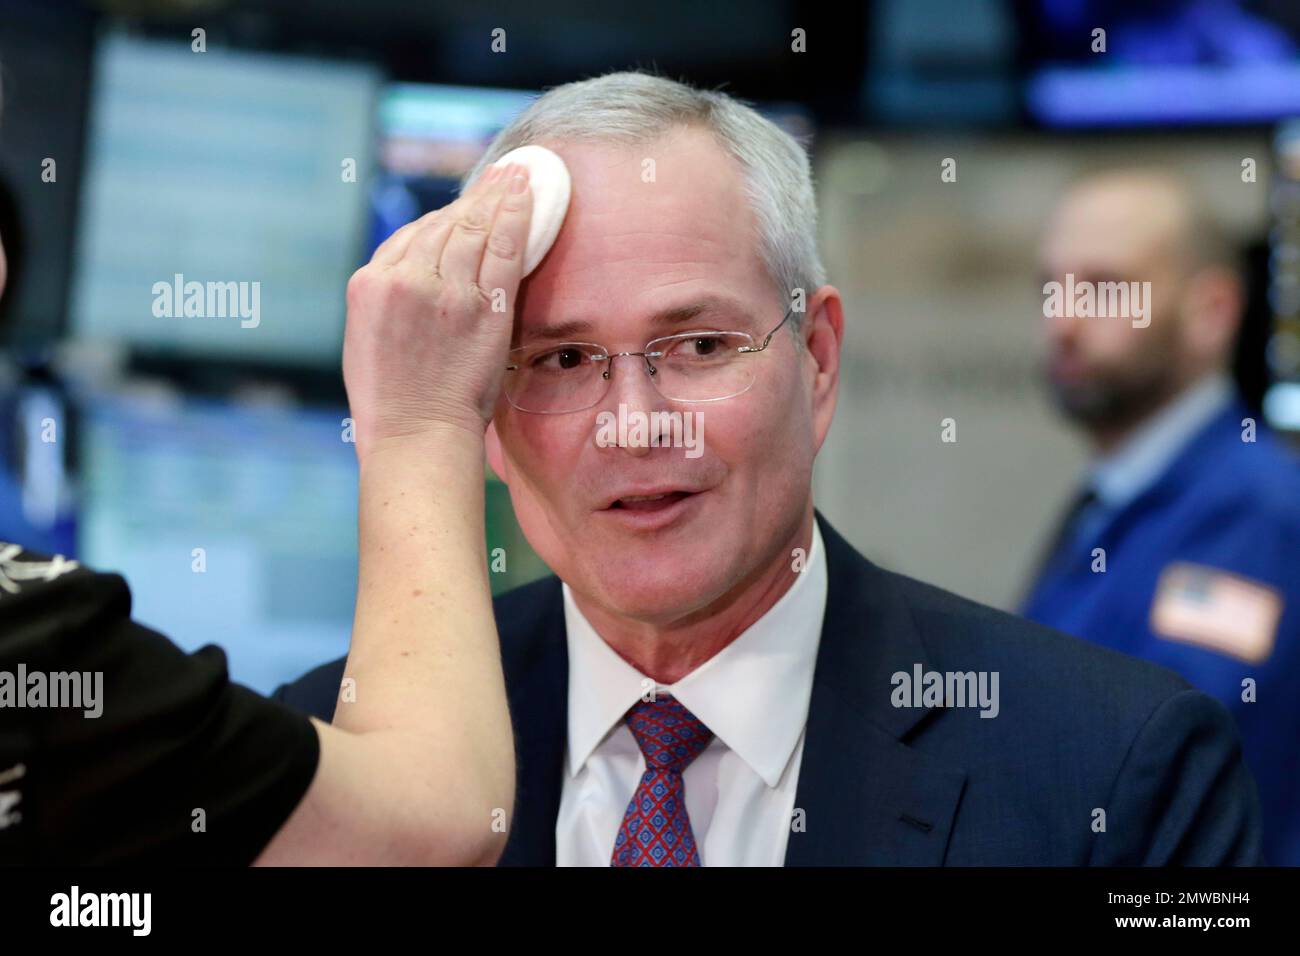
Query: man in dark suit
{"x": 1094, "y": 758}
{"x": 714, "y": 676}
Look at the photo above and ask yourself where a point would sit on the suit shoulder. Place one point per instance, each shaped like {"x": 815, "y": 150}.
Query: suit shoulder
{"x": 1258, "y": 478}
{"x": 315, "y": 692}
{"x": 1067, "y": 708}
{"x": 528, "y": 600}
{"x": 1079, "y": 727}
{"x": 1033, "y": 660}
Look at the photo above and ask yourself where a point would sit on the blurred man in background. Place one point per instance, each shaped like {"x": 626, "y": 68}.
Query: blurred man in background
{"x": 1183, "y": 543}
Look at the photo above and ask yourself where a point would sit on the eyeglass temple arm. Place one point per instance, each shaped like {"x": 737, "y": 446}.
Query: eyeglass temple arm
{"x": 768, "y": 338}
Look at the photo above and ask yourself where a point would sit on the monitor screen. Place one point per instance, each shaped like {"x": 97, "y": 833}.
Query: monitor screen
{"x": 234, "y": 526}
{"x": 224, "y": 202}
{"x": 429, "y": 137}
{"x": 1113, "y": 62}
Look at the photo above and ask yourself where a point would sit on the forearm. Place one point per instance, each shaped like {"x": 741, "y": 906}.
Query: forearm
{"x": 425, "y": 659}
{"x": 418, "y": 765}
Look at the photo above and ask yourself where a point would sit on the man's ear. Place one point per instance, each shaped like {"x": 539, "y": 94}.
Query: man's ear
{"x": 823, "y": 333}
{"x": 1214, "y": 303}
{"x": 492, "y": 441}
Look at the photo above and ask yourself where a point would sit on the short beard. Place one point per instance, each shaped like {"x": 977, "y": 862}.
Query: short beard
{"x": 1115, "y": 405}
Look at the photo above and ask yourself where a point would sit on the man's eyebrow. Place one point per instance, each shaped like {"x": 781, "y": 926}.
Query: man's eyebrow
{"x": 680, "y": 315}
{"x": 570, "y": 330}
{"x": 560, "y": 331}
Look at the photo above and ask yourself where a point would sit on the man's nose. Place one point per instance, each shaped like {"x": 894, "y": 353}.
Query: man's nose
{"x": 632, "y": 389}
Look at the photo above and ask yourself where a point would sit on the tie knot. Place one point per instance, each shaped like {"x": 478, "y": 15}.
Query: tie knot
{"x": 668, "y": 734}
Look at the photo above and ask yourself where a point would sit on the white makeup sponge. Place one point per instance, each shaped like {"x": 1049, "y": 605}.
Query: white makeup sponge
{"x": 549, "y": 180}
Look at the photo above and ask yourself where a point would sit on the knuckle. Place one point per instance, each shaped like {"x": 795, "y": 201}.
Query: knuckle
{"x": 462, "y": 299}
{"x": 515, "y": 202}
{"x": 481, "y": 295}
{"x": 360, "y": 284}
{"x": 503, "y": 246}
{"x": 400, "y": 285}
{"x": 475, "y": 219}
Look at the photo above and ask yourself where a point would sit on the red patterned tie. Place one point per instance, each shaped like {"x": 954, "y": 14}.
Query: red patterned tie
{"x": 656, "y": 830}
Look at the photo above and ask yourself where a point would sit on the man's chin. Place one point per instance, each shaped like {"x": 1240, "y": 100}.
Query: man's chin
{"x": 1082, "y": 403}
{"x": 1093, "y": 407}
{"x": 663, "y": 588}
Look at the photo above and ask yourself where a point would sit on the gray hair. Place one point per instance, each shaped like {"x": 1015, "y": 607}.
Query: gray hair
{"x": 631, "y": 108}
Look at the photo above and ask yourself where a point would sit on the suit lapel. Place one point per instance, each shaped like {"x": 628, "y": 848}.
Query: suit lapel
{"x": 867, "y": 797}
{"x": 535, "y": 659}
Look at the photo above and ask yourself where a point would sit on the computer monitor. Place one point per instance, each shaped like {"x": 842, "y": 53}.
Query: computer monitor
{"x": 224, "y": 204}
{"x": 429, "y": 136}
{"x": 1151, "y": 62}
{"x": 235, "y": 526}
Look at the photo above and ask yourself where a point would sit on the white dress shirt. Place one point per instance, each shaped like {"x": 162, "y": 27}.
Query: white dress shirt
{"x": 753, "y": 695}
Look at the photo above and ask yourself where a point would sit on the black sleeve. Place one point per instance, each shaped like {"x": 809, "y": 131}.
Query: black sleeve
{"x": 118, "y": 747}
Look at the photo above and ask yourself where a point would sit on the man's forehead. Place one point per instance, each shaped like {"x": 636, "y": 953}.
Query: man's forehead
{"x": 679, "y": 186}
{"x": 678, "y": 157}
{"x": 681, "y": 313}
{"x": 1114, "y": 225}
{"x": 657, "y": 235}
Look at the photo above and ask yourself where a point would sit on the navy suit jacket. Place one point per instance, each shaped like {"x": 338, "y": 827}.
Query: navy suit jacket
{"x": 1094, "y": 758}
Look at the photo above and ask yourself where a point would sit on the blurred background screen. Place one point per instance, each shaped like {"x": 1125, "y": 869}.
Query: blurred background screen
{"x": 1282, "y": 399}
{"x": 430, "y": 136}
{"x": 1204, "y": 62}
{"x": 221, "y": 165}
{"x": 259, "y": 499}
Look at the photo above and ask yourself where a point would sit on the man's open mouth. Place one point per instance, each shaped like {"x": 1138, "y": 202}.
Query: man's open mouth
{"x": 649, "y": 503}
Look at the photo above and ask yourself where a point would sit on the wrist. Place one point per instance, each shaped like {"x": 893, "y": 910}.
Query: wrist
{"x": 433, "y": 443}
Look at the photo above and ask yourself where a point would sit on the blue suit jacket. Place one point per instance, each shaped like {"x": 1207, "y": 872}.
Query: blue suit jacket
{"x": 1079, "y": 730}
{"x": 1225, "y": 505}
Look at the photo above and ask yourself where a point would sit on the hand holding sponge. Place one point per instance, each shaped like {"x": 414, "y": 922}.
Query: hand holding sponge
{"x": 549, "y": 180}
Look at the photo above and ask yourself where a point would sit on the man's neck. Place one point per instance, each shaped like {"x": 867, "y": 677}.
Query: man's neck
{"x": 1124, "y": 472}
{"x": 1106, "y": 438}
{"x": 668, "y": 652}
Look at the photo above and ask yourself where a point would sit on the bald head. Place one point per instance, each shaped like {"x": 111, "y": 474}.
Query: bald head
{"x": 1124, "y": 218}
{"x": 1138, "y": 226}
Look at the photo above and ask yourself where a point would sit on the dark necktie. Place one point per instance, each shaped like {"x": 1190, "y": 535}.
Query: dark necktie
{"x": 1063, "y": 537}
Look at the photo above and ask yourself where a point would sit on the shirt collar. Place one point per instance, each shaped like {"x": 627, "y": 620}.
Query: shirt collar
{"x": 753, "y": 694}
{"x": 1127, "y": 471}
